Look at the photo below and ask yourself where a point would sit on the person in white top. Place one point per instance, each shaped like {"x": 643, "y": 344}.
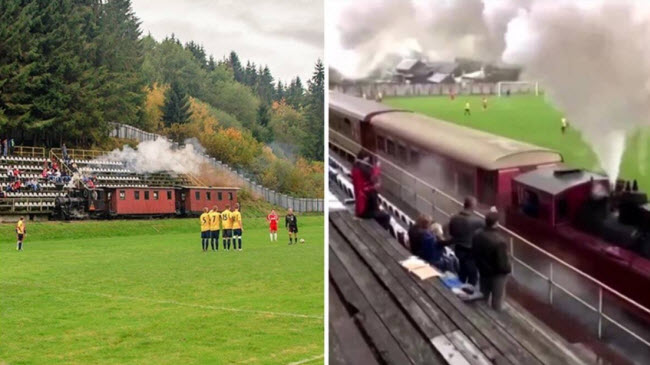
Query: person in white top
{"x": 564, "y": 124}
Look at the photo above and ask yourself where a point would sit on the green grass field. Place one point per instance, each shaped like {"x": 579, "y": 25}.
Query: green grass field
{"x": 531, "y": 119}
{"x": 142, "y": 292}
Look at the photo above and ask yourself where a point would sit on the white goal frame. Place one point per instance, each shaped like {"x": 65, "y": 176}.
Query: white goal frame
{"x": 532, "y": 83}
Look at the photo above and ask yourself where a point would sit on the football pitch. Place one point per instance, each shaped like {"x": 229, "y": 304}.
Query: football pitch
{"x": 531, "y": 119}
{"x": 143, "y": 292}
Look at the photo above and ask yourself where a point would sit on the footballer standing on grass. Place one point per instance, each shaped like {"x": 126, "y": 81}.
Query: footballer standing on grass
{"x": 205, "y": 229}
{"x": 291, "y": 223}
{"x": 20, "y": 233}
{"x": 214, "y": 228}
{"x": 237, "y": 227}
{"x": 226, "y": 227}
{"x": 273, "y": 225}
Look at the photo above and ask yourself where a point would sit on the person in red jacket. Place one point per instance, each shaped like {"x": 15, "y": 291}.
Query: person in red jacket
{"x": 365, "y": 182}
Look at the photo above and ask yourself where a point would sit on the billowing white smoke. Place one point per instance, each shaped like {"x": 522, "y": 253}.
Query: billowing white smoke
{"x": 160, "y": 155}
{"x": 591, "y": 57}
{"x": 594, "y": 62}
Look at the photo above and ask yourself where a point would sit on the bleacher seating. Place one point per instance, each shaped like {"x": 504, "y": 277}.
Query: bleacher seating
{"x": 108, "y": 174}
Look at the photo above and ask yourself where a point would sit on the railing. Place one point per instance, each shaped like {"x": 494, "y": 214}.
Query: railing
{"x": 80, "y": 154}
{"x": 555, "y": 274}
{"x": 27, "y": 151}
{"x": 273, "y": 197}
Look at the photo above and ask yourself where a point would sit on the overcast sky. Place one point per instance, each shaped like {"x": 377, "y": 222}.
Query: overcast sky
{"x": 286, "y": 35}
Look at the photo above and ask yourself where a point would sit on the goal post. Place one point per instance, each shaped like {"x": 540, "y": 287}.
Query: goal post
{"x": 504, "y": 86}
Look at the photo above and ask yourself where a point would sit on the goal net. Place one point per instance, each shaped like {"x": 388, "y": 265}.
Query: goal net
{"x": 517, "y": 87}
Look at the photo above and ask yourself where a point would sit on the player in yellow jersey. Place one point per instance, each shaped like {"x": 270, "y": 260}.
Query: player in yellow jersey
{"x": 226, "y": 227}
{"x": 205, "y": 229}
{"x": 20, "y": 233}
{"x": 214, "y": 228}
{"x": 237, "y": 226}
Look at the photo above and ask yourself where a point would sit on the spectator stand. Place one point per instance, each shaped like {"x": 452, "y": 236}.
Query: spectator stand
{"x": 25, "y": 200}
{"x": 380, "y": 313}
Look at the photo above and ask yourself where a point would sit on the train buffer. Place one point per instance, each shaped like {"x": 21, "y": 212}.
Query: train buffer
{"x": 381, "y": 313}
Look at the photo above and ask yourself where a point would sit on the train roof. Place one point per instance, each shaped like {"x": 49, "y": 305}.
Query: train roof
{"x": 212, "y": 187}
{"x": 548, "y": 181}
{"x": 355, "y": 107}
{"x": 463, "y": 144}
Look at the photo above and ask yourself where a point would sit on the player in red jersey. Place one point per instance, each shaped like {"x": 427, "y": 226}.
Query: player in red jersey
{"x": 273, "y": 225}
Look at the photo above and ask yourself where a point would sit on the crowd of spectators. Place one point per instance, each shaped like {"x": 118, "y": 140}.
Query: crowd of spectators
{"x": 480, "y": 253}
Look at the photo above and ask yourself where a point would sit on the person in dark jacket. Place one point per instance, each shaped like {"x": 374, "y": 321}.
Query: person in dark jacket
{"x": 490, "y": 251}
{"x": 424, "y": 243}
{"x": 462, "y": 228}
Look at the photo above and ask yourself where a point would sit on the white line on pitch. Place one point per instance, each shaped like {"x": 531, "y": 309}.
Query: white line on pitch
{"x": 307, "y": 360}
{"x": 125, "y": 297}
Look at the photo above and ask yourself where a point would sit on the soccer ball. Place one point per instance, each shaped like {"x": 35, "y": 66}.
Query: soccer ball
{"x": 302, "y": 240}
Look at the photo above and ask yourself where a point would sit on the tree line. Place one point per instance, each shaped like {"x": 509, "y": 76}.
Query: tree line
{"x": 69, "y": 68}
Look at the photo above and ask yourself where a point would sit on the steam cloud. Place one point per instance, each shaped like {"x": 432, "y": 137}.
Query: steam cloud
{"x": 591, "y": 57}
{"x": 161, "y": 155}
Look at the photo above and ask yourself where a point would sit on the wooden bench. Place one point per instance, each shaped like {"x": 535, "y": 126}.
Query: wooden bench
{"x": 380, "y": 313}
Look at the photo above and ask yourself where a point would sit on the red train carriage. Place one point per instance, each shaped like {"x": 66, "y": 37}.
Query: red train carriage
{"x": 132, "y": 201}
{"x": 191, "y": 200}
{"x": 457, "y": 159}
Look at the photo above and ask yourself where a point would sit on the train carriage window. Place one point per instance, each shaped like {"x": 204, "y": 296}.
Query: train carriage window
{"x": 169, "y": 195}
{"x": 415, "y": 156}
{"x": 122, "y": 195}
{"x": 155, "y": 195}
{"x": 348, "y": 126}
{"x": 381, "y": 143}
{"x": 390, "y": 147}
{"x": 229, "y": 196}
{"x": 402, "y": 154}
{"x": 136, "y": 194}
{"x": 219, "y": 197}
{"x": 146, "y": 195}
{"x": 208, "y": 195}
{"x": 530, "y": 204}
{"x": 197, "y": 195}
{"x": 465, "y": 183}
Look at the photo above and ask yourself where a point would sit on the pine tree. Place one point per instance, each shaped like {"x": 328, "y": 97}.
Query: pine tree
{"x": 235, "y": 65}
{"x": 265, "y": 86}
{"x": 312, "y": 147}
{"x": 295, "y": 93}
{"x": 177, "y": 107}
{"x": 212, "y": 65}
{"x": 263, "y": 118}
{"x": 198, "y": 52}
{"x": 120, "y": 52}
{"x": 279, "y": 92}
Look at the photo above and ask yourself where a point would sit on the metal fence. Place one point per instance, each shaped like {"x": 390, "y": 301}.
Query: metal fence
{"x": 395, "y": 89}
{"x": 612, "y": 316}
{"x": 273, "y": 197}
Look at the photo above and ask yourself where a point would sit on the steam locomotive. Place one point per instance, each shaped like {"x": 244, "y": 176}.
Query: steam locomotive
{"x": 141, "y": 202}
{"x": 574, "y": 214}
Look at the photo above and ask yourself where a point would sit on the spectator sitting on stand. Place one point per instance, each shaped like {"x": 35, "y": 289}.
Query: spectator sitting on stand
{"x": 424, "y": 244}
{"x": 10, "y": 173}
{"x": 16, "y": 185}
